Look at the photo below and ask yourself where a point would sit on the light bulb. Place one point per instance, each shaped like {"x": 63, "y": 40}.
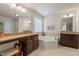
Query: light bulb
{"x": 13, "y": 5}
{"x": 70, "y": 15}
{"x": 65, "y": 16}
{"x": 19, "y": 7}
{"x": 23, "y": 10}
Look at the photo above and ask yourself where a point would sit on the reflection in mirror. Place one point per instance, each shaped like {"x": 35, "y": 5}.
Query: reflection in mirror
{"x": 67, "y": 24}
{"x": 8, "y": 25}
{"x": 14, "y": 25}
{"x": 24, "y": 24}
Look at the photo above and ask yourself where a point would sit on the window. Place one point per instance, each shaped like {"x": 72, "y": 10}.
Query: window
{"x": 37, "y": 24}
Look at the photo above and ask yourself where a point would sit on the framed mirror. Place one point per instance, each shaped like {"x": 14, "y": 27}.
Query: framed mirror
{"x": 67, "y": 24}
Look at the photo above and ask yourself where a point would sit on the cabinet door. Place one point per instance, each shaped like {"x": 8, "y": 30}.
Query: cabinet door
{"x": 29, "y": 45}
{"x": 63, "y": 39}
{"x": 74, "y": 41}
{"x": 70, "y": 40}
{"x": 35, "y": 42}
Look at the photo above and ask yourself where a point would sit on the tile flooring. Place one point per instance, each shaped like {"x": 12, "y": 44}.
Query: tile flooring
{"x": 59, "y": 51}
{"x": 48, "y": 49}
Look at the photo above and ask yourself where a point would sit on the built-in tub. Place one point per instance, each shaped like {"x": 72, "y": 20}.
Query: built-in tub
{"x": 48, "y": 42}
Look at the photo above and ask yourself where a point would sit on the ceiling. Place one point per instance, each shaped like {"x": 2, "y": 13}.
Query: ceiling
{"x": 5, "y": 10}
{"x": 51, "y": 8}
{"x": 44, "y": 9}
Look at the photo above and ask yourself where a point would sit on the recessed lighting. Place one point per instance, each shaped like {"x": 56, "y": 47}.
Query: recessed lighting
{"x": 68, "y": 15}
{"x": 19, "y": 7}
{"x": 13, "y": 5}
{"x": 16, "y": 15}
{"x": 23, "y": 10}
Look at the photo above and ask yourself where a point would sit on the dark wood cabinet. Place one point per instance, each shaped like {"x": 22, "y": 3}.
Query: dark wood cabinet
{"x": 26, "y": 43}
{"x": 29, "y": 44}
{"x": 69, "y": 40}
{"x": 35, "y": 42}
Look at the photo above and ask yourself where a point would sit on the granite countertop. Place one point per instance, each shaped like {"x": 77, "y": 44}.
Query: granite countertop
{"x": 77, "y": 33}
{"x": 13, "y": 37}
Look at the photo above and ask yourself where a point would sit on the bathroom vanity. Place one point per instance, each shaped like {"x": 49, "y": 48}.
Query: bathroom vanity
{"x": 69, "y": 35}
{"x": 27, "y": 43}
{"x": 69, "y": 39}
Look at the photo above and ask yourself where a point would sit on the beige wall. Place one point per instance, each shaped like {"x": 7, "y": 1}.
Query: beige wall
{"x": 56, "y": 21}
{"x": 52, "y": 20}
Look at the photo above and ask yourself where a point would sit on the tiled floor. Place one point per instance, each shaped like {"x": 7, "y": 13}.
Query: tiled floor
{"x": 60, "y": 51}
{"x": 48, "y": 49}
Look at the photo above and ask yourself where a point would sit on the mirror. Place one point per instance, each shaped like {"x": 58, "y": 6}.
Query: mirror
{"x": 24, "y": 24}
{"x": 67, "y": 24}
{"x": 13, "y": 25}
{"x": 7, "y": 25}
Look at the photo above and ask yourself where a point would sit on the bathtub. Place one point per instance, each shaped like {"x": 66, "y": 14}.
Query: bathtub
{"x": 48, "y": 42}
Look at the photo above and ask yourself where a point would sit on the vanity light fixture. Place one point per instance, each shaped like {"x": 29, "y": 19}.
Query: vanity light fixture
{"x": 68, "y": 15}
{"x": 17, "y": 7}
{"x": 13, "y": 6}
{"x": 23, "y": 10}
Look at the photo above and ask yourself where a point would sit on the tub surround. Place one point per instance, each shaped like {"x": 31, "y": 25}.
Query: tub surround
{"x": 48, "y": 42}
{"x": 69, "y": 39}
{"x": 28, "y": 41}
